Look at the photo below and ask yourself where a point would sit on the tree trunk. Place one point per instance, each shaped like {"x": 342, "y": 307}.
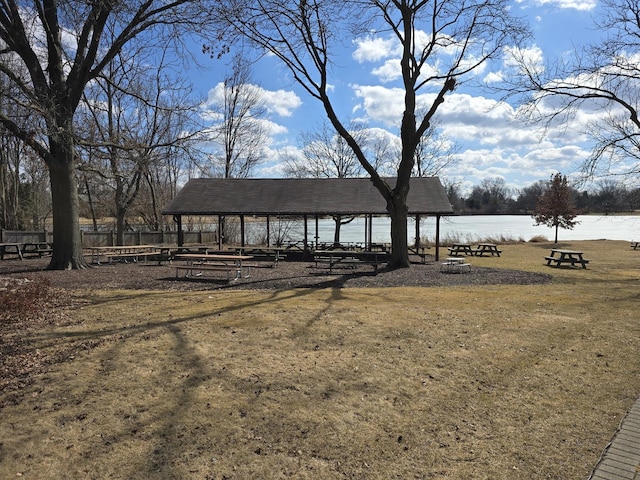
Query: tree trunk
{"x": 120, "y": 216}
{"x": 94, "y": 220}
{"x": 67, "y": 242}
{"x": 336, "y": 233}
{"x": 398, "y": 210}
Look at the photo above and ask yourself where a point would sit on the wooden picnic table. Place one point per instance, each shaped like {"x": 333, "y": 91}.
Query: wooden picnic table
{"x": 635, "y": 245}
{"x": 420, "y": 252}
{"x": 270, "y": 254}
{"x": 560, "y": 257}
{"x": 21, "y": 249}
{"x": 461, "y": 249}
{"x": 8, "y": 248}
{"x": 488, "y": 248}
{"x": 125, "y": 252}
{"x": 231, "y": 264}
{"x": 349, "y": 258}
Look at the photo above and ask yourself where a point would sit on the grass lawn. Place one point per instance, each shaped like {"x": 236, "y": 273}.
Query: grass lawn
{"x": 480, "y": 382}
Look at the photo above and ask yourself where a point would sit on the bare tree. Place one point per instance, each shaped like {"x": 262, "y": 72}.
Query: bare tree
{"x": 61, "y": 47}
{"x": 239, "y": 133}
{"x": 15, "y": 159}
{"x": 325, "y": 154}
{"x": 434, "y": 153}
{"x": 10, "y": 154}
{"x": 599, "y": 77}
{"x": 305, "y": 34}
{"x": 136, "y": 114}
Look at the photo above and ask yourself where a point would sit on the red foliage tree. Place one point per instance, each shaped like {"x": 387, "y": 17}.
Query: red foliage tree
{"x": 555, "y": 207}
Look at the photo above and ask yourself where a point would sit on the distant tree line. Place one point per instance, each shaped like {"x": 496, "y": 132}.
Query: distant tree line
{"x": 493, "y": 196}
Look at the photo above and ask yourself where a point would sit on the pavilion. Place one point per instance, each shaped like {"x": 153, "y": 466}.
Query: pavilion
{"x": 304, "y": 197}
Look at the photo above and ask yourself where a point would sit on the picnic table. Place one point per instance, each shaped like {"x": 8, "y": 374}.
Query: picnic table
{"x": 635, "y": 245}
{"x": 461, "y": 249}
{"x": 200, "y": 263}
{"x": 8, "y": 248}
{"x": 349, "y": 258}
{"x": 125, "y": 253}
{"x": 24, "y": 248}
{"x": 560, "y": 257}
{"x": 455, "y": 265}
{"x": 420, "y": 252}
{"x": 263, "y": 253}
{"x": 488, "y": 248}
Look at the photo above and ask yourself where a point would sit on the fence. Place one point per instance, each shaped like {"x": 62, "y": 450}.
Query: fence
{"x": 107, "y": 239}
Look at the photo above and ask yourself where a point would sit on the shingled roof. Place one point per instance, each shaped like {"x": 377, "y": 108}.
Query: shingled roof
{"x": 302, "y": 196}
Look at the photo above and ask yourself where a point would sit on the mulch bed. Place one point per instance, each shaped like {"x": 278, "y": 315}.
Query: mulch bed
{"x": 151, "y": 276}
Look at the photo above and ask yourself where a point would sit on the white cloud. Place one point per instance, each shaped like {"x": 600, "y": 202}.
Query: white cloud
{"x": 388, "y": 71}
{"x": 532, "y": 57}
{"x": 494, "y": 77}
{"x": 281, "y": 102}
{"x": 374, "y": 49}
{"x": 384, "y": 105}
{"x": 585, "y": 5}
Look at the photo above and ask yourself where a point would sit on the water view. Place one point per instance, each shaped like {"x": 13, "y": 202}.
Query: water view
{"x": 478, "y": 227}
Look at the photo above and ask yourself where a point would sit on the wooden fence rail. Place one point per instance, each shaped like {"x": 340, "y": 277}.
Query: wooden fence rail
{"x": 107, "y": 238}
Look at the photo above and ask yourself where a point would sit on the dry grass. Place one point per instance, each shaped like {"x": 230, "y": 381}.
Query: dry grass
{"x": 495, "y": 382}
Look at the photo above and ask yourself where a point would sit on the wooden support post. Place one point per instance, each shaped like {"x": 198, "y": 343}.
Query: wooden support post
{"x": 242, "y": 230}
{"x": 437, "y": 237}
{"x": 178, "y": 219}
{"x": 268, "y": 230}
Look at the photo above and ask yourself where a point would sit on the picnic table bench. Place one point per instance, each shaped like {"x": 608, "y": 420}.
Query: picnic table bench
{"x": 349, "y": 258}
{"x": 10, "y": 248}
{"x": 461, "y": 249}
{"x": 232, "y": 265}
{"x": 635, "y": 245}
{"x": 455, "y": 265}
{"x": 264, "y": 254}
{"x": 488, "y": 248}
{"x": 421, "y": 252}
{"x": 126, "y": 253}
{"x": 25, "y": 248}
{"x": 560, "y": 257}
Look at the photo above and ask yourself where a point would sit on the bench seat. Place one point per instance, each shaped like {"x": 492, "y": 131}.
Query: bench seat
{"x": 37, "y": 249}
{"x": 480, "y": 253}
{"x": 455, "y": 267}
{"x": 229, "y": 269}
{"x": 558, "y": 261}
{"x": 347, "y": 262}
{"x": 134, "y": 256}
{"x": 267, "y": 257}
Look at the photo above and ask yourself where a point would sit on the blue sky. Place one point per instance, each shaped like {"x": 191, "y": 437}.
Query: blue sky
{"x": 491, "y": 143}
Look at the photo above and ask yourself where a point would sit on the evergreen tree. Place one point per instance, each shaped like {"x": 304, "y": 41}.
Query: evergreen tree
{"x": 555, "y": 206}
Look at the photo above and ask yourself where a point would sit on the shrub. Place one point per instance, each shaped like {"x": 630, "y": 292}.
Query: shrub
{"x": 538, "y": 239}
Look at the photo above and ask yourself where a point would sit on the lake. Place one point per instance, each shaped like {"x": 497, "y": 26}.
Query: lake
{"x": 478, "y": 227}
